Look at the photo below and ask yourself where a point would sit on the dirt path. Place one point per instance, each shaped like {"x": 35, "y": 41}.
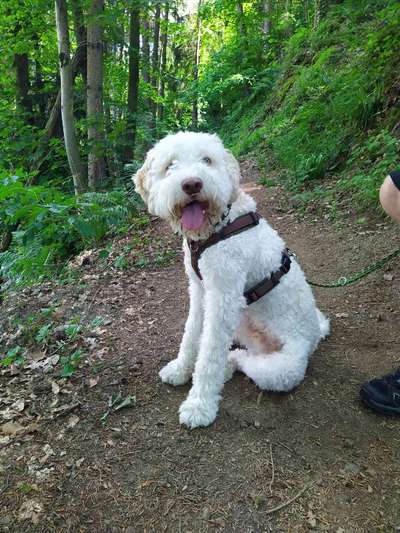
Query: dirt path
{"x": 138, "y": 470}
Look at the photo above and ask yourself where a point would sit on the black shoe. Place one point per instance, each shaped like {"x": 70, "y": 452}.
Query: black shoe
{"x": 383, "y": 394}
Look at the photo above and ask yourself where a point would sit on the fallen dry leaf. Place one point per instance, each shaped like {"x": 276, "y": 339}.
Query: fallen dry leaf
{"x": 55, "y": 387}
{"x": 72, "y": 421}
{"x": 30, "y": 510}
{"x": 11, "y": 428}
{"x": 19, "y": 405}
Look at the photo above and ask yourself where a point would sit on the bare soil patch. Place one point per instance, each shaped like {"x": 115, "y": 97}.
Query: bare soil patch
{"x": 65, "y": 469}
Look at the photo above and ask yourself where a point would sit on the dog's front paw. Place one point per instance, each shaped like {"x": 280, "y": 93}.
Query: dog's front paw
{"x": 174, "y": 373}
{"x": 196, "y": 412}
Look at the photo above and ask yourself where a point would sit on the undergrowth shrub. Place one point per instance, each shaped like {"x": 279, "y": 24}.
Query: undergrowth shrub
{"x": 370, "y": 162}
{"x": 48, "y": 227}
{"x": 331, "y": 104}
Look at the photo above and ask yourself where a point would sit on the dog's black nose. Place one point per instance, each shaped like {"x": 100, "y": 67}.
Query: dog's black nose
{"x": 192, "y": 186}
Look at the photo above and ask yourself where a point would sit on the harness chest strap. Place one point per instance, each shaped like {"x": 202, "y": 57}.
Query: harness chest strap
{"x": 238, "y": 225}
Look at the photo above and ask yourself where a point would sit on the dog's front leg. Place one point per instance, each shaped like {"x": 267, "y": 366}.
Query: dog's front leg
{"x": 223, "y": 303}
{"x": 179, "y": 370}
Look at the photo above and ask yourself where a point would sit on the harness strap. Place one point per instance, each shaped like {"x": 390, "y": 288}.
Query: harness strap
{"x": 269, "y": 282}
{"x": 240, "y": 224}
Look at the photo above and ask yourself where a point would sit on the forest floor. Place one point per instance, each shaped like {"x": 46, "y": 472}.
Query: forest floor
{"x": 71, "y": 462}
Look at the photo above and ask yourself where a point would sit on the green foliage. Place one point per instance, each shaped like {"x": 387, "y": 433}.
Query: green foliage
{"x": 48, "y": 227}
{"x": 70, "y": 363}
{"x": 316, "y": 99}
{"x": 370, "y": 162}
{"x": 13, "y": 356}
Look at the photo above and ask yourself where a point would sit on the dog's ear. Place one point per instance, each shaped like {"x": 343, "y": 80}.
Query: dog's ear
{"x": 139, "y": 179}
{"x": 234, "y": 172}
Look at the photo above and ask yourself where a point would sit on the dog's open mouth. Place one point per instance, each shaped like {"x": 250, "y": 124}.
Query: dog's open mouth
{"x": 194, "y": 215}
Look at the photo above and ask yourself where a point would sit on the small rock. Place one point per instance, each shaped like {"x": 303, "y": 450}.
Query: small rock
{"x": 351, "y": 468}
{"x": 257, "y": 424}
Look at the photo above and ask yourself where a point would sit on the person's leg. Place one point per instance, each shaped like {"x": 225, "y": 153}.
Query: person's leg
{"x": 383, "y": 394}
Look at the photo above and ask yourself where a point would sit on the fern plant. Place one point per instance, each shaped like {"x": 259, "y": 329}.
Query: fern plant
{"x": 48, "y": 227}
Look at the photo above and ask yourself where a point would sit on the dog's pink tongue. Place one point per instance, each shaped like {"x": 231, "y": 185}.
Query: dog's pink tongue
{"x": 192, "y": 216}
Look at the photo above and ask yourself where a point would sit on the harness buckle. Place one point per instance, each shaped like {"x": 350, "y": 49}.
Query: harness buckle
{"x": 255, "y": 217}
{"x": 253, "y": 296}
{"x": 286, "y": 264}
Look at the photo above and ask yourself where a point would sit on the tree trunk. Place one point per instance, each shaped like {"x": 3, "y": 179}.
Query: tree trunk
{"x": 71, "y": 143}
{"x": 23, "y": 100}
{"x": 239, "y": 9}
{"x": 54, "y": 122}
{"x": 133, "y": 80}
{"x": 146, "y": 51}
{"x": 164, "y": 44}
{"x": 38, "y": 98}
{"x": 317, "y": 14}
{"x": 155, "y": 59}
{"x": 195, "y": 105}
{"x": 96, "y": 163}
{"x": 266, "y": 9}
{"x": 80, "y": 34}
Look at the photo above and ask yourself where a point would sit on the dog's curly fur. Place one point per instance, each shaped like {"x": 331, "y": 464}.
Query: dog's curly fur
{"x": 280, "y": 331}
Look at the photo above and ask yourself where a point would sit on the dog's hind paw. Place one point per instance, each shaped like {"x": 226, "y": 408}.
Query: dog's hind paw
{"x": 174, "y": 373}
{"x": 196, "y": 412}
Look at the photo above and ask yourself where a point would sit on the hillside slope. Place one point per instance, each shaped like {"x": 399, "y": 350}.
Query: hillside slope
{"x": 328, "y": 105}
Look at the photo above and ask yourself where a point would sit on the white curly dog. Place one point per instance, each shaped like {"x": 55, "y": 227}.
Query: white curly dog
{"x": 192, "y": 181}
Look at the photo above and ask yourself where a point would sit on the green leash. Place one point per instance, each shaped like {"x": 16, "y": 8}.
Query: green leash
{"x": 343, "y": 281}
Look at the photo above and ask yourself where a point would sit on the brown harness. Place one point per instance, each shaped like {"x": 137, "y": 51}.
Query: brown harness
{"x": 238, "y": 225}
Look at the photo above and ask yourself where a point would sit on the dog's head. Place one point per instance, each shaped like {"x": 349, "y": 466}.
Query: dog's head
{"x": 189, "y": 179}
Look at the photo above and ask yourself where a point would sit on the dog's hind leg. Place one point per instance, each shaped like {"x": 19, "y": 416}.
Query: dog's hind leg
{"x": 279, "y": 371}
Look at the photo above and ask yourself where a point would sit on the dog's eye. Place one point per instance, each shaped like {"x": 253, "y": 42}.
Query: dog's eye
{"x": 207, "y": 160}
{"x": 168, "y": 166}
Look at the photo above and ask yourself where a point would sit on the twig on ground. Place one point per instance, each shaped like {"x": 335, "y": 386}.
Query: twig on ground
{"x": 286, "y": 447}
{"x": 5, "y": 486}
{"x": 288, "y": 502}
{"x": 68, "y": 409}
{"x": 93, "y": 299}
{"x": 169, "y": 508}
{"x": 273, "y": 468}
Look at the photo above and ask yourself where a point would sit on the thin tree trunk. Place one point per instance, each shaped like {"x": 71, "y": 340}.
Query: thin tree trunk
{"x": 54, "y": 122}
{"x": 146, "y": 51}
{"x": 71, "y": 143}
{"x": 317, "y": 14}
{"x": 39, "y": 99}
{"x": 164, "y": 44}
{"x": 23, "y": 100}
{"x": 155, "y": 59}
{"x": 133, "y": 80}
{"x": 266, "y": 9}
{"x": 195, "y": 105}
{"x": 96, "y": 162}
{"x": 239, "y": 9}
{"x": 80, "y": 34}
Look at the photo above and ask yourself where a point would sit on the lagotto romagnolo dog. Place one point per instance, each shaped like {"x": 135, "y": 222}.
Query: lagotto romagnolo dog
{"x": 192, "y": 181}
